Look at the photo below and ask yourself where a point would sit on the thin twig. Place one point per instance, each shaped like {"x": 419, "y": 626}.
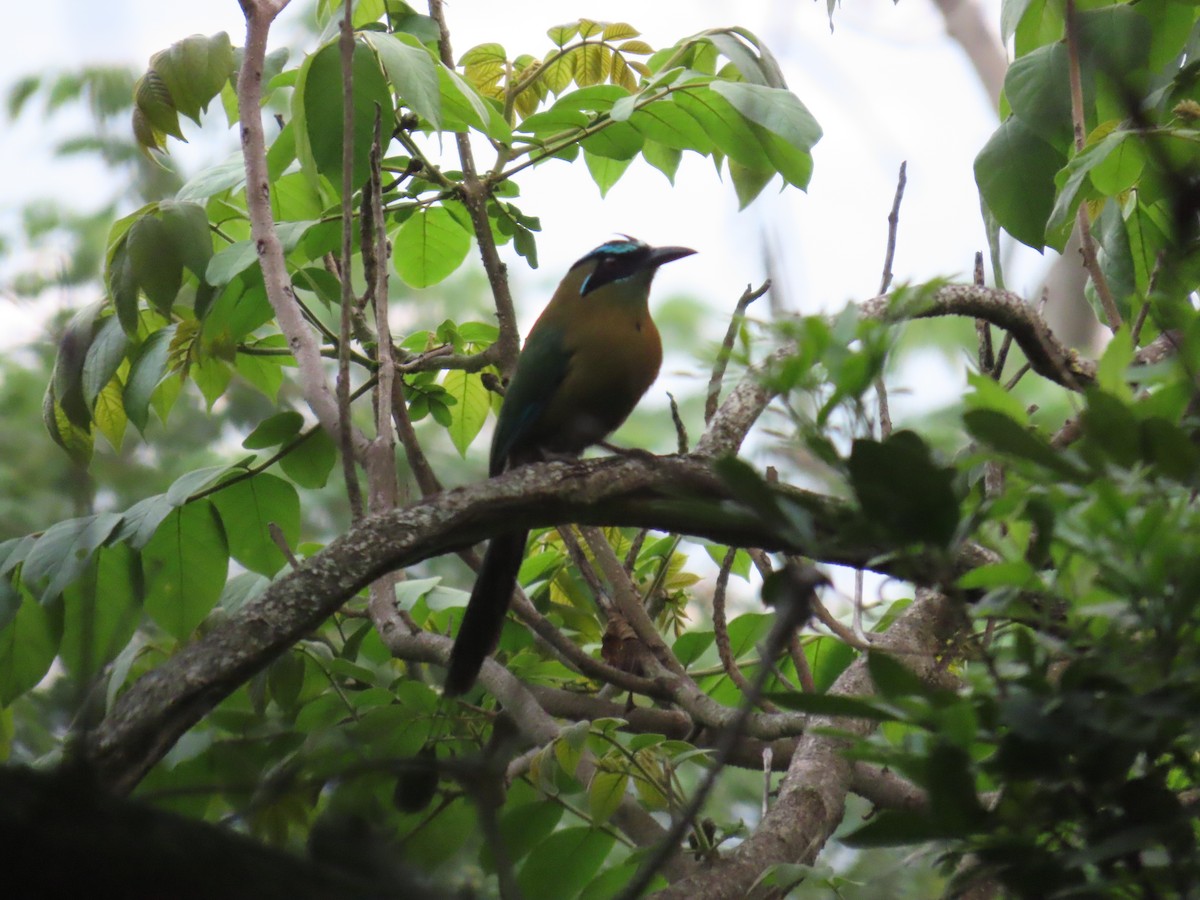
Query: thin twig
{"x": 987, "y": 359}
{"x": 1017, "y": 376}
{"x": 844, "y": 634}
{"x": 635, "y": 550}
{"x": 626, "y": 597}
{"x": 721, "y": 631}
{"x": 1136, "y": 332}
{"x": 893, "y": 219}
{"x": 586, "y": 570}
{"x": 681, "y": 435}
{"x": 800, "y": 661}
{"x": 722, "y": 361}
{"x": 789, "y": 614}
{"x": 1087, "y": 244}
{"x": 885, "y": 282}
{"x": 418, "y": 463}
{"x": 349, "y": 472}
{"x": 857, "y": 620}
{"x": 475, "y": 194}
{"x": 280, "y": 540}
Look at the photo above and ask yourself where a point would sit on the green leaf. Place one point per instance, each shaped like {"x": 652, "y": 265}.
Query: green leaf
{"x": 223, "y": 176}
{"x": 1120, "y": 169}
{"x": 148, "y": 370}
{"x": 902, "y": 489}
{"x": 892, "y": 828}
{"x": 154, "y": 114}
{"x": 77, "y": 441}
{"x": 605, "y": 793}
{"x": 122, "y": 286}
{"x": 1170, "y": 450}
{"x": 777, "y": 110}
{"x": 274, "y": 430}
{"x": 1074, "y": 181}
{"x": 471, "y": 410}
{"x": 746, "y": 631}
{"x": 1112, "y": 428}
{"x": 101, "y": 612}
{"x": 103, "y": 358}
{"x": 1038, "y": 90}
{"x": 229, "y": 262}
{"x": 526, "y": 825}
{"x": 185, "y": 562}
{"x": 619, "y": 141}
{"x": 140, "y": 521}
{"x": 1015, "y": 173}
{"x": 187, "y": 229}
{"x": 108, "y": 414}
{"x": 65, "y": 550}
{"x": 1002, "y": 433}
{"x": 310, "y": 462}
{"x": 156, "y": 261}
{"x": 194, "y": 71}
{"x": 892, "y": 678}
{"x": 605, "y": 171}
{"x": 69, "y": 365}
{"x": 463, "y": 108}
{"x": 1015, "y": 573}
{"x": 27, "y": 648}
{"x": 726, "y": 127}
{"x": 248, "y": 507}
{"x": 691, "y": 645}
{"x": 748, "y": 183}
{"x": 662, "y": 158}
{"x": 317, "y": 105}
{"x": 563, "y": 863}
{"x": 988, "y": 394}
{"x": 666, "y": 122}
{"x": 429, "y": 246}
{"x": 188, "y": 485}
{"x": 1114, "y": 364}
{"x": 560, "y": 34}
{"x": 412, "y": 72}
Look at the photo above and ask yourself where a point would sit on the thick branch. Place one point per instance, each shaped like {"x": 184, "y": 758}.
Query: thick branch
{"x": 1046, "y": 354}
{"x": 672, "y": 494}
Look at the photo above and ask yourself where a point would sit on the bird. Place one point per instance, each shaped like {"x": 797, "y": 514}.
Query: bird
{"x": 589, "y": 358}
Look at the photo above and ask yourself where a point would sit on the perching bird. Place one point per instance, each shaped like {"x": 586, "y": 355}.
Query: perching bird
{"x": 589, "y": 358}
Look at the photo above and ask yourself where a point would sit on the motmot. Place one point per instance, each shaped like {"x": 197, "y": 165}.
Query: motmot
{"x": 587, "y": 361}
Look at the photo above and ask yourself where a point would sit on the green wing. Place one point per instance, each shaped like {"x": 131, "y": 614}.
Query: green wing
{"x": 541, "y": 368}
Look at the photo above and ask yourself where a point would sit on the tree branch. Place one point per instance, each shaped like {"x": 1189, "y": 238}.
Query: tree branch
{"x": 672, "y": 494}
{"x": 313, "y": 383}
{"x": 812, "y": 794}
{"x": 475, "y": 194}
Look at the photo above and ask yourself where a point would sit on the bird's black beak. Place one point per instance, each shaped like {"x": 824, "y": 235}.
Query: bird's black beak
{"x": 662, "y": 255}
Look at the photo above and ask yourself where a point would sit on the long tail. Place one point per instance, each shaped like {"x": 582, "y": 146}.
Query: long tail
{"x": 484, "y": 619}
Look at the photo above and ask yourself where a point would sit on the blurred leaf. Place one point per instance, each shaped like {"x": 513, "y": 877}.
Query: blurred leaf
{"x": 902, "y": 489}
{"x": 247, "y": 509}
{"x": 186, "y": 563}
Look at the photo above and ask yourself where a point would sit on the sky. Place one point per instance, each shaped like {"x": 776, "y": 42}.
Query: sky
{"x": 886, "y": 84}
